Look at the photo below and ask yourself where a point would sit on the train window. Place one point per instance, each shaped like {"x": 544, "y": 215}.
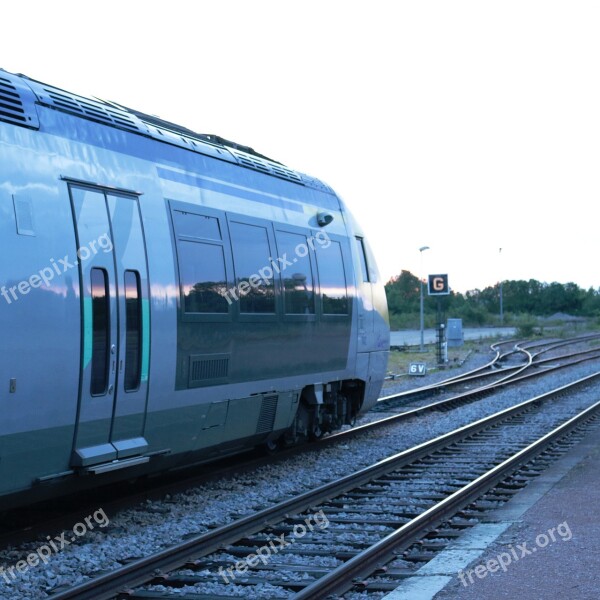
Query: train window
{"x": 253, "y": 270}
{"x": 298, "y": 286}
{"x": 332, "y": 278}
{"x": 364, "y": 265}
{"x": 133, "y": 331}
{"x": 100, "y": 331}
{"x": 203, "y": 278}
{"x": 197, "y": 226}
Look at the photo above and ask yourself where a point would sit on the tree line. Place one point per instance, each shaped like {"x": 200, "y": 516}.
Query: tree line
{"x": 482, "y": 307}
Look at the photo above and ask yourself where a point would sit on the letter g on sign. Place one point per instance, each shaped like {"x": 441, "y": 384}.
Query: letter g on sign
{"x": 438, "y": 285}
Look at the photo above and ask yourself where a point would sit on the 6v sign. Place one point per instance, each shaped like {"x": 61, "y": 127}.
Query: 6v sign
{"x": 417, "y": 369}
{"x": 438, "y": 285}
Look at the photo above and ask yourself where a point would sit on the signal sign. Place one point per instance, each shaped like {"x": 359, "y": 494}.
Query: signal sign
{"x": 437, "y": 285}
{"x": 417, "y": 369}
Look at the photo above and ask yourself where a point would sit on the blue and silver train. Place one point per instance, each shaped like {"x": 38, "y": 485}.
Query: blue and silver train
{"x": 166, "y": 297}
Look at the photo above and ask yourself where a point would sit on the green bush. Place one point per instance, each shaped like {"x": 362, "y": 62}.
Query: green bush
{"x": 404, "y": 321}
{"x": 526, "y": 326}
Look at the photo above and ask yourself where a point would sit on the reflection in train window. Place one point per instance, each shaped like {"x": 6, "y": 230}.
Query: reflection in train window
{"x": 298, "y": 286}
{"x": 253, "y": 271}
{"x": 332, "y": 278}
{"x": 133, "y": 331}
{"x": 100, "y": 331}
{"x": 203, "y": 278}
{"x": 197, "y": 226}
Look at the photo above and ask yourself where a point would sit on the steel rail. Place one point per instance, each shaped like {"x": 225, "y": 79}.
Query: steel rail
{"x": 480, "y": 373}
{"x": 342, "y": 578}
{"x": 143, "y": 571}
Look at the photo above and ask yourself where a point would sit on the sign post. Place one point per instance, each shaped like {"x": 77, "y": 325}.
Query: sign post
{"x": 437, "y": 285}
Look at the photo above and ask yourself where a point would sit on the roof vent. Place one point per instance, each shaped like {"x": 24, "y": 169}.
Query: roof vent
{"x": 95, "y": 110}
{"x": 316, "y": 183}
{"x": 265, "y": 166}
{"x": 16, "y": 102}
{"x": 19, "y": 94}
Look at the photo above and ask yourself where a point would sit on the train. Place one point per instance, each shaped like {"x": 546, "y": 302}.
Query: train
{"x": 167, "y": 297}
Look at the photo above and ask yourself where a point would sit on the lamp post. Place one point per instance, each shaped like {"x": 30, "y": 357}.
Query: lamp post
{"x": 501, "y": 303}
{"x": 421, "y": 250}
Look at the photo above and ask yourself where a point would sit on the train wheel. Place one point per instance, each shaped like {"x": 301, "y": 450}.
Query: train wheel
{"x": 272, "y": 446}
{"x": 316, "y": 433}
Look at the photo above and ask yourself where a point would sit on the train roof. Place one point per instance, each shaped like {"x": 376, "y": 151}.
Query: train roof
{"x": 20, "y": 94}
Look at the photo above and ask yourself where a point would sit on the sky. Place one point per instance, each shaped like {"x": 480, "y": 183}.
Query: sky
{"x": 465, "y": 126}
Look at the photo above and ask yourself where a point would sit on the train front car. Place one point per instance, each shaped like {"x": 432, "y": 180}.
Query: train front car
{"x": 372, "y": 319}
{"x": 166, "y": 297}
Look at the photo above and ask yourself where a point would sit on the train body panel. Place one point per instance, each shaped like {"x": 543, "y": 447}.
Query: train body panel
{"x": 166, "y": 301}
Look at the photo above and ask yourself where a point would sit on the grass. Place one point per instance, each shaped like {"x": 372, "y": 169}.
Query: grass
{"x": 400, "y": 360}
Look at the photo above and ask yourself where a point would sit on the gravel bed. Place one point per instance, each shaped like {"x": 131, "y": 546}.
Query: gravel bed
{"x": 344, "y": 528}
{"x": 581, "y": 347}
{"x": 148, "y": 528}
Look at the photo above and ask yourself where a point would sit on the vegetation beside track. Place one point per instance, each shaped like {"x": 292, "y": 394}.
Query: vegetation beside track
{"x": 529, "y": 305}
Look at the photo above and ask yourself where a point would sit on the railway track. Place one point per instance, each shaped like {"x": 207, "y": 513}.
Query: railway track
{"x": 38, "y": 523}
{"x": 347, "y": 529}
{"x": 530, "y": 361}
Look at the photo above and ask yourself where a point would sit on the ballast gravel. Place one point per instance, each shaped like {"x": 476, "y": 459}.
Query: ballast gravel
{"x": 141, "y": 531}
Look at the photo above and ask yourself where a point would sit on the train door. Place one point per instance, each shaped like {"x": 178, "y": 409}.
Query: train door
{"x": 115, "y": 342}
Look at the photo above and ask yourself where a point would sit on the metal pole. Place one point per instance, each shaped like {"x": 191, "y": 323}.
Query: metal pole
{"x": 422, "y": 318}
{"x": 501, "y": 304}
{"x": 422, "y": 323}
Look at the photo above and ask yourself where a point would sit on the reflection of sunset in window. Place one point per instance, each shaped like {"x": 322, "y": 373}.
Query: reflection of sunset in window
{"x": 251, "y": 259}
{"x": 100, "y": 330}
{"x": 298, "y": 286}
{"x": 202, "y": 272}
{"x": 333, "y": 279}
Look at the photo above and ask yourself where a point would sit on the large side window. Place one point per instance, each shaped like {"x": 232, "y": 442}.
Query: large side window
{"x": 298, "y": 283}
{"x": 202, "y": 267}
{"x": 203, "y": 281}
{"x": 254, "y": 274}
{"x": 332, "y": 278}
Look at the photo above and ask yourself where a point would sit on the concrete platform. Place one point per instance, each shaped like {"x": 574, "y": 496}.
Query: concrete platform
{"x": 542, "y": 544}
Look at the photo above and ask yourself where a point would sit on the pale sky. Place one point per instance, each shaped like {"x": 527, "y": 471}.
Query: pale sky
{"x": 464, "y": 126}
